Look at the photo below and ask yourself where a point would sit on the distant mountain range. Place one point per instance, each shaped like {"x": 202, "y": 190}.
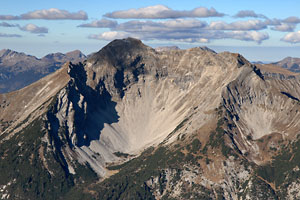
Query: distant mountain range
{"x": 18, "y": 70}
{"x": 290, "y": 63}
{"x": 166, "y": 48}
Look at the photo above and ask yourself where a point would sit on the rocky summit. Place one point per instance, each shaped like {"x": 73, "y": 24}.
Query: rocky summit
{"x": 131, "y": 122}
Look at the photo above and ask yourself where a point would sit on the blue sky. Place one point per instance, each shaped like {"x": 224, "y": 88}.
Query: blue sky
{"x": 259, "y": 30}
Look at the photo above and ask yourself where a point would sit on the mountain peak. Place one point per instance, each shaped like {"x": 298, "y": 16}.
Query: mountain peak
{"x": 119, "y": 49}
{"x": 77, "y": 52}
{"x": 75, "y": 55}
{"x": 126, "y": 42}
{"x": 6, "y": 52}
{"x": 3, "y": 51}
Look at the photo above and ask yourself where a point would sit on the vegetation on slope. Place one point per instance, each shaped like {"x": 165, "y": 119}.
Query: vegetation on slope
{"x": 31, "y": 169}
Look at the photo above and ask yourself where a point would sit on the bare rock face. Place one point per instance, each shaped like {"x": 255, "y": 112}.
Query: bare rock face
{"x": 192, "y": 124}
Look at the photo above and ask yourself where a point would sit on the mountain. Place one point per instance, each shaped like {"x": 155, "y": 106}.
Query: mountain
{"x": 167, "y": 48}
{"x": 18, "y": 70}
{"x": 72, "y": 56}
{"x": 292, "y": 64}
{"x": 134, "y": 123}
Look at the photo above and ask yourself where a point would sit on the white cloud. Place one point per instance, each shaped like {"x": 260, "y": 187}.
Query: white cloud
{"x": 111, "y": 35}
{"x": 273, "y": 22}
{"x": 54, "y": 14}
{"x": 184, "y": 23}
{"x": 9, "y": 35}
{"x": 249, "y": 13}
{"x": 293, "y": 37}
{"x": 247, "y": 36}
{"x": 284, "y": 27}
{"x": 293, "y": 20}
{"x": 48, "y": 14}
{"x": 103, "y": 23}
{"x": 34, "y": 29}
{"x": 238, "y": 25}
{"x": 162, "y": 12}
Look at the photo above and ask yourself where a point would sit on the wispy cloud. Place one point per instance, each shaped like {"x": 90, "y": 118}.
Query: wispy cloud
{"x": 4, "y": 24}
{"x": 48, "y": 14}
{"x": 249, "y": 13}
{"x": 9, "y": 35}
{"x": 293, "y": 37}
{"x": 103, "y": 23}
{"x": 163, "y": 12}
{"x": 34, "y": 29}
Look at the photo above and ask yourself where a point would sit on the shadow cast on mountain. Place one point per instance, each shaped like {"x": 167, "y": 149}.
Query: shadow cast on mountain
{"x": 93, "y": 107}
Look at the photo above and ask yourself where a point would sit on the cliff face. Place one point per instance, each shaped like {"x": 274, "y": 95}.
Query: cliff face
{"x": 191, "y": 124}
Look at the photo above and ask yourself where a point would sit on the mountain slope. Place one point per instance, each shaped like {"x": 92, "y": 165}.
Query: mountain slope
{"x": 18, "y": 70}
{"x": 181, "y": 124}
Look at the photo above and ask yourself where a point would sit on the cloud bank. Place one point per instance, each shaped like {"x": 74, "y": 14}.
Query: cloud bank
{"x": 160, "y": 22}
{"x": 182, "y": 30}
